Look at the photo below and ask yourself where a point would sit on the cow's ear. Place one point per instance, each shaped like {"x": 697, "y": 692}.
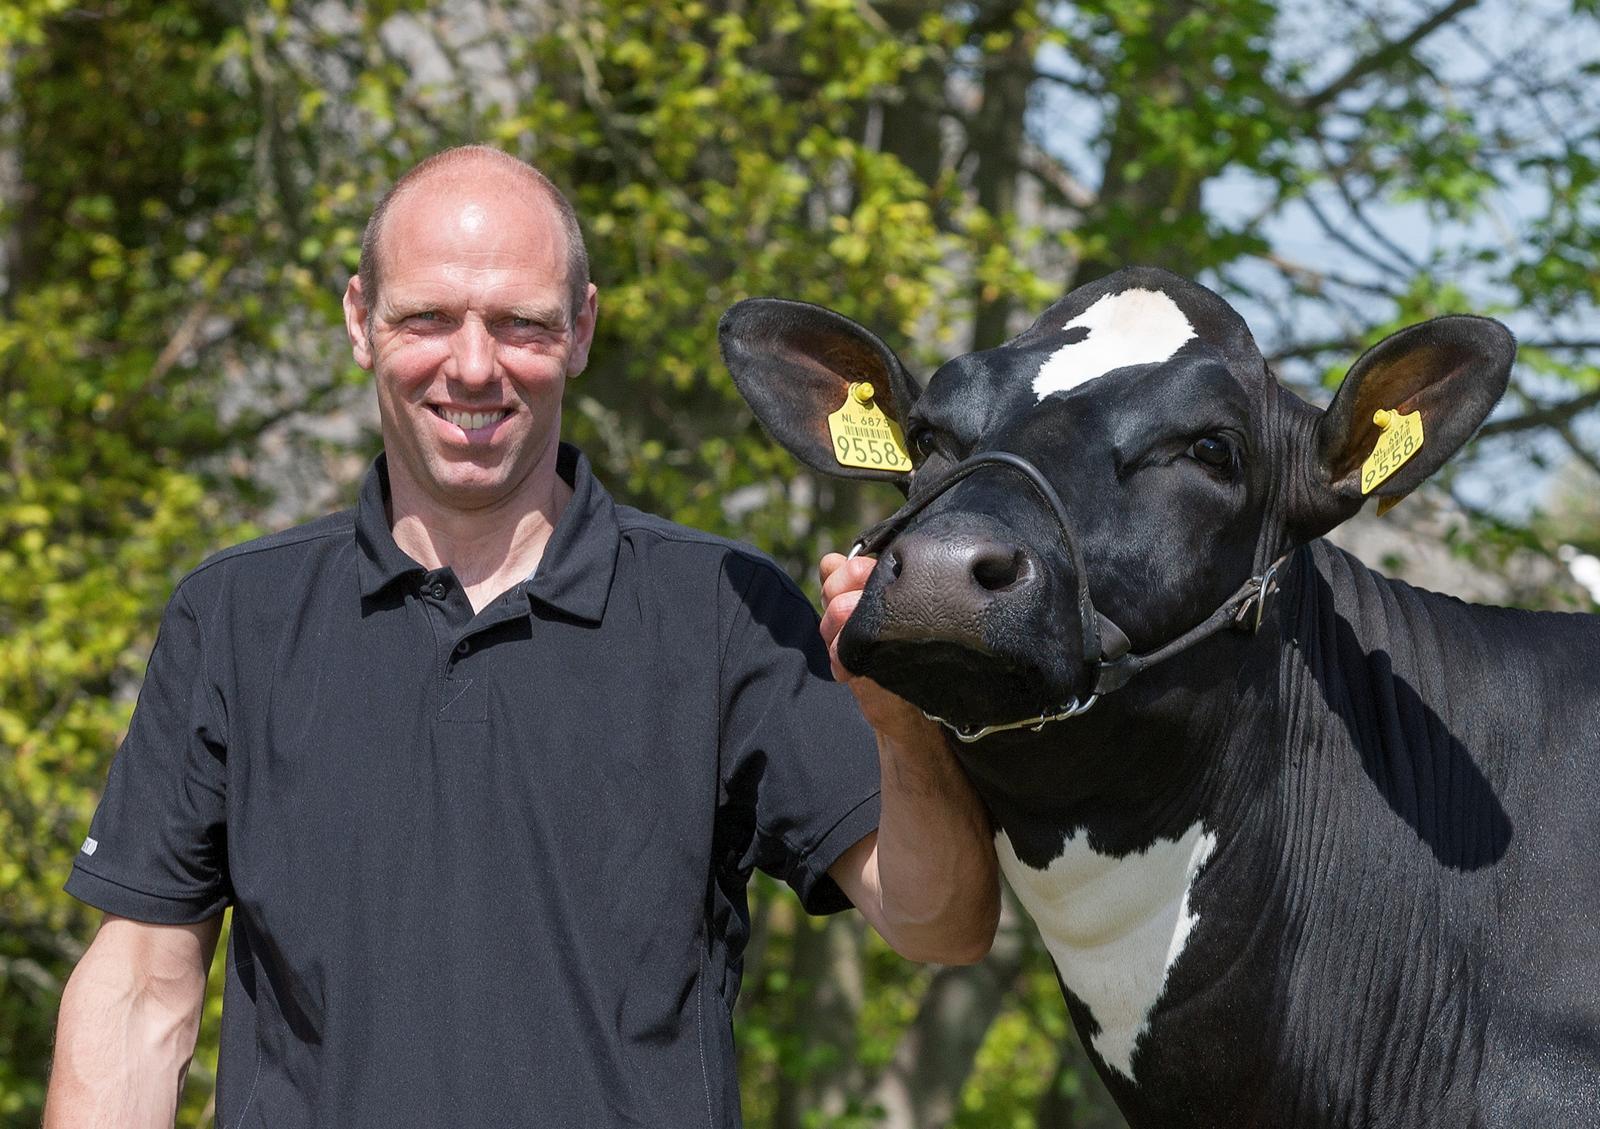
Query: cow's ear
{"x": 1449, "y": 372}
{"x": 794, "y": 363}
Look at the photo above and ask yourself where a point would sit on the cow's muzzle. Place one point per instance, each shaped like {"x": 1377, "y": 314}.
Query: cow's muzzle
{"x": 949, "y": 579}
{"x": 988, "y": 567}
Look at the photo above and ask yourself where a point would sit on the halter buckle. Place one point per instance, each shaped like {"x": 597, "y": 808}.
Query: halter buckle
{"x": 1263, "y": 588}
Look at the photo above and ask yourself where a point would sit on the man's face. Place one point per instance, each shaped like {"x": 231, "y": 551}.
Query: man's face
{"x": 470, "y": 338}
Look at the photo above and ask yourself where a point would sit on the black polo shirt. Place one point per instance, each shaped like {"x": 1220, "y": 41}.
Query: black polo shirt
{"x": 485, "y": 869}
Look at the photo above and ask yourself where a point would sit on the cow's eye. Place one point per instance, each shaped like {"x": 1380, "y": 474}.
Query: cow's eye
{"x": 924, "y": 441}
{"x": 1214, "y": 451}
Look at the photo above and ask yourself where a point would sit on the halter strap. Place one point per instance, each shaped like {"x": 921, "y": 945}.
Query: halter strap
{"x": 1113, "y": 665}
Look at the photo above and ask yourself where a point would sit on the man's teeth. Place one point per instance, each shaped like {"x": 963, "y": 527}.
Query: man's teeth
{"x": 470, "y": 421}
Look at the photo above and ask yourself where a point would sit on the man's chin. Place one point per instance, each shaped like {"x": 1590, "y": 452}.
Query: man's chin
{"x": 481, "y": 474}
{"x": 457, "y": 483}
{"x": 469, "y": 486}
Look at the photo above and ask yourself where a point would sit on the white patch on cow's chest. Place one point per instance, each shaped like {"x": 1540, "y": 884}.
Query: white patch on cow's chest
{"x": 1135, "y": 327}
{"x": 1115, "y": 926}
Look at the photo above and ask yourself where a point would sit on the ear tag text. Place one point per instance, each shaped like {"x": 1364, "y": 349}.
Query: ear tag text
{"x": 1401, "y": 438}
{"x": 864, "y": 437}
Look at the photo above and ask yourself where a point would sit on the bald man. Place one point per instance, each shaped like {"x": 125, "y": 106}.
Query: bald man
{"x": 483, "y": 765}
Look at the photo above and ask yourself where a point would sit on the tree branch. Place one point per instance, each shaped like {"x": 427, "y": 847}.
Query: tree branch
{"x": 1315, "y": 282}
{"x": 1335, "y": 233}
{"x": 1385, "y": 55}
{"x": 599, "y": 99}
{"x": 1578, "y": 450}
{"x": 1547, "y": 415}
{"x": 182, "y": 339}
{"x": 1050, "y": 173}
{"x": 1357, "y": 209}
{"x": 1563, "y": 345}
{"x": 1346, "y": 345}
{"x": 1081, "y": 86}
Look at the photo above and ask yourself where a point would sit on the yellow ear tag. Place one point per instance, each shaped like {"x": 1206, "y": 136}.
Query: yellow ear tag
{"x": 1401, "y": 438}
{"x": 864, "y": 437}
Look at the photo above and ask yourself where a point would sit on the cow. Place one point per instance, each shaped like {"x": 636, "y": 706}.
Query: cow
{"x": 1308, "y": 846}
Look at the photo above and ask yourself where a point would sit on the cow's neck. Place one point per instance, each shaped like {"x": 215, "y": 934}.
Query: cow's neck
{"x": 1397, "y": 746}
{"x": 1361, "y": 831}
{"x": 1106, "y": 832}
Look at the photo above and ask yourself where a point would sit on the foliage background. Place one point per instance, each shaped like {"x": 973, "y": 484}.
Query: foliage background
{"x": 182, "y": 189}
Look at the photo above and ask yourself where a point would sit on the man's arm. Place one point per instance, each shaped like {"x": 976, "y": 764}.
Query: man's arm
{"x": 927, "y": 879}
{"x": 129, "y": 1019}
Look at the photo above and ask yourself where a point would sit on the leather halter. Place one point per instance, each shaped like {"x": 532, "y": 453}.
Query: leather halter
{"x": 1106, "y": 648}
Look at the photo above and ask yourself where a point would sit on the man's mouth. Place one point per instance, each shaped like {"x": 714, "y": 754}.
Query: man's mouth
{"x": 470, "y": 421}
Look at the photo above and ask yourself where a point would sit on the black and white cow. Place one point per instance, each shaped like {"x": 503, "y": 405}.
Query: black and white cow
{"x": 1324, "y": 850}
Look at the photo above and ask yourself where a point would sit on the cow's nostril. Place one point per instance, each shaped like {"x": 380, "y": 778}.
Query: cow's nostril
{"x": 892, "y": 561}
{"x": 998, "y": 567}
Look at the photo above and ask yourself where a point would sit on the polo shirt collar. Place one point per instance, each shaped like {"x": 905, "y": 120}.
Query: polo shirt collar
{"x": 380, "y": 562}
{"x": 574, "y": 575}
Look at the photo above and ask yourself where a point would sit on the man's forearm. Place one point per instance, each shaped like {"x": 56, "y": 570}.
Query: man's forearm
{"x": 130, "y": 1015}
{"x": 120, "y": 1058}
{"x": 937, "y": 877}
{"x": 927, "y": 879}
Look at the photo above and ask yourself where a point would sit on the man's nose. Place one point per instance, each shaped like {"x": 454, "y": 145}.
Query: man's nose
{"x": 473, "y": 351}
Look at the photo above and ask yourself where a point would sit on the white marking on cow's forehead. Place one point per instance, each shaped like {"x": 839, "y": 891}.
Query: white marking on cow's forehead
{"x": 1135, "y": 327}
{"x": 1115, "y": 926}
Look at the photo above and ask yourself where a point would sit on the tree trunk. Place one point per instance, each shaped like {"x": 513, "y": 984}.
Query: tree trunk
{"x": 10, "y": 177}
{"x": 996, "y": 143}
{"x": 921, "y": 1086}
{"x": 1146, "y": 191}
{"x": 828, "y": 989}
{"x": 913, "y": 121}
{"x": 1075, "y": 1097}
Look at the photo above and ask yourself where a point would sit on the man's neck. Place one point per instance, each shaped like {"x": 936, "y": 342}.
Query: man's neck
{"x": 489, "y": 549}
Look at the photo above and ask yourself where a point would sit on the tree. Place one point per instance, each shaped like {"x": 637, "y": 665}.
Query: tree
{"x": 184, "y": 185}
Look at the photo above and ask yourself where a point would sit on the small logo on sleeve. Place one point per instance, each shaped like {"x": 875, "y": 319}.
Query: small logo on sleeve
{"x": 90, "y": 845}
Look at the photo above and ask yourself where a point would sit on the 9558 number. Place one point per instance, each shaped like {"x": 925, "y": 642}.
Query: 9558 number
{"x": 872, "y": 452}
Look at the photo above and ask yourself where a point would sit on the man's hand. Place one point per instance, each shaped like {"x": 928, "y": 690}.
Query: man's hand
{"x": 842, "y": 581}
{"x": 927, "y": 879}
{"x": 843, "y": 578}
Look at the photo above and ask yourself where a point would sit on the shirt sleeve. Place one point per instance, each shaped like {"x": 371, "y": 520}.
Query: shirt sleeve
{"x": 157, "y": 846}
{"x": 797, "y": 756}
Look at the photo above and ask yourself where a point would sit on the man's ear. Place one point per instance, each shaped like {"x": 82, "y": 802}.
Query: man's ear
{"x": 356, "y": 325}
{"x": 1451, "y": 370}
{"x": 584, "y": 319}
{"x": 794, "y": 363}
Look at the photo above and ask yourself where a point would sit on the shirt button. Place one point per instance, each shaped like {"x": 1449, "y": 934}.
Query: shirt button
{"x": 438, "y": 590}
{"x": 463, "y": 647}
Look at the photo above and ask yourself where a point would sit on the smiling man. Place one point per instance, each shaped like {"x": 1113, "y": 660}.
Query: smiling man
{"x": 483, "y": 765}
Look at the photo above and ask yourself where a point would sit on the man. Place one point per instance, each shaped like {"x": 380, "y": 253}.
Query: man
{"x": 483, "y": 766}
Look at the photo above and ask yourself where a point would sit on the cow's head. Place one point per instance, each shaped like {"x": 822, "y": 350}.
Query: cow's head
{"x": 1180, "y": 465}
